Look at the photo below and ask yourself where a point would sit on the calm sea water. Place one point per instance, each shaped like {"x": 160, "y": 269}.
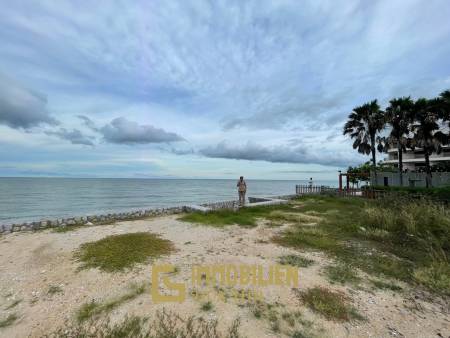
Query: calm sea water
{"x": 31, "y": 199}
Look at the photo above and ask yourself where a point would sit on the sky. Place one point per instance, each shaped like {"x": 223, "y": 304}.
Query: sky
{"x": 206, "y": 89}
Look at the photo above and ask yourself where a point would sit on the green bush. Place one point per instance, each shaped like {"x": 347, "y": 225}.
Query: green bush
{"x": 441, "y": 193}
{"x": 410, "y": 222}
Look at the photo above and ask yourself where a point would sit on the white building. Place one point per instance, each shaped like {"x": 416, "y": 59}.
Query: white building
{"x": 413, "y": 160}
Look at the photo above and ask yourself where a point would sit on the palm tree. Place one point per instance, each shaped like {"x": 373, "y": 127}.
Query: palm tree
{"x": 426, "y": 130}
{"x": 399, "y": 117}
{"x": 363, "y": 124}
{"x": 444, "y": 103}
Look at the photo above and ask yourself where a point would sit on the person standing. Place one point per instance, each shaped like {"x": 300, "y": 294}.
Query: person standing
{"x": 242, "y": 189}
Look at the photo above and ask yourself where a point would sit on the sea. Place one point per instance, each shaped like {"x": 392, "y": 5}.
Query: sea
{"x": 33, "y": 199}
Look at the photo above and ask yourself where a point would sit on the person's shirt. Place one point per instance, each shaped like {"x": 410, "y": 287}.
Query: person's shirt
{"x": 242, "y": 186}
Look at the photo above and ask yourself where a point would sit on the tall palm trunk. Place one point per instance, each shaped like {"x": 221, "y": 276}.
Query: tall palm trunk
{"x": 400, "y": 163}
{"x": 428, "y": 170}
{"x": 374, "y": 160}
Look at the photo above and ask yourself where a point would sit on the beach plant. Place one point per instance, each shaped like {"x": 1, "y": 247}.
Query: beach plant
{"x": 342, "y": 273}
{"x": 207, "y": 306}
{"x": 245, "y": 217}
{"x": 8, "y": 321}
{"x": 119, "y": 252}
{"x": 401, "y": 238}
{"x": 95, "y": 308}
{"x": 295, "y": 260}
{"x": 166, "y": 324}
{"x": 54, "y": 289}
{"x": 332, "y": 305}
{"x": 13, "y": 304}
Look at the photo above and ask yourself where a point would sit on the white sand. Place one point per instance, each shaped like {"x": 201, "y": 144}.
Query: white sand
{"x": 31, "y": 262}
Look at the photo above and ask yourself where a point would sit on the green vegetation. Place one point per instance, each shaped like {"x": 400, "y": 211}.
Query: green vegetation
{"x": 281, "y": 320}
{"x": 13, "y": 304}
{"x": 411, "y": 123}
{"x": 295, "y": 260}
{"x": 332, "y": 305}
{"x": 403, "y": 239}
{"x": 8, "y": 321}
{"x": 245, "y": 217}
{"x": 385, "y": 285}
{"x": 165, "y": 325}
{"x": 54, "y": 289}
{"x": 441, "y": 193}
{"x": 342, "y": 273}
{"x": 94, "y": 308}
{"x": 207, "y": 306}
{"x": 120, "y": 252}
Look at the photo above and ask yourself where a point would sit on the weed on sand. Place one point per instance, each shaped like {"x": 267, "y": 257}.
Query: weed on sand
{"x": 8, "y": 321}
{"x": 120, "y": 252}
{"x": 295, "y": 260}
{"x": 331, "y": 304}
{"x": 408, "y": 240}
{"x": 246, "y": 217}
{"x": 342, "y": 273}
{"x": 165, "y": 325}
{"x": 94, "y": 308}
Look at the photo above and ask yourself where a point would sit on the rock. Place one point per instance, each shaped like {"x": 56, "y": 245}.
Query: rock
{"x": 89, "y": 223}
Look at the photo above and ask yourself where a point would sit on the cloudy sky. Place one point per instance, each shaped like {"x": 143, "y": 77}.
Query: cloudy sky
{"x": 209, "y": 89}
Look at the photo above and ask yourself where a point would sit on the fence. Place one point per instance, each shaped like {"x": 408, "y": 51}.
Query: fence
{"x": 309, "y": 189}
{"x": 325, "y": 190}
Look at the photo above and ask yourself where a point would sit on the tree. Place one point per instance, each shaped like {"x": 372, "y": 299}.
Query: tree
{"x": 399, "y": 117}
{"x": 363, "y": 124}
{"x": 444, "y": 107}
{"x": 359, "y": 173}
{"x": 426, "y": 131}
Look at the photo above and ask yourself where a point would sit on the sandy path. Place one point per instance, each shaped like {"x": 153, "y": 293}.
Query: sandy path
{"x": 32, "y": 262}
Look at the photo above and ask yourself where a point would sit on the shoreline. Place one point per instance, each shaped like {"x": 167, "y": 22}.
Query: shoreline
{"x": 90, "y": 220}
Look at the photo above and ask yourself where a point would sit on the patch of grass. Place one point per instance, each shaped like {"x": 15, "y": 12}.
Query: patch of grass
{"x": 8, "y": 321}
{"x": 385, "y": 285}
{"x": 295, "y": 260}
{"x": 120, "y": 252}
{"x": 54, "y": 289}
{"x": 435, "y": 276}
{"x": 165, "y": 325}
{"x": 245, "y": 217}
{"x": 94, "y": 308}
{"x": 289, "y": 318}
{"x": 207, "y": 306}
{"x": 294, "y": 217}
{"x": 393, "y": 238}
{"x": 13, "y": 304}
{"x": 330, "y": 304}
{"x": 342, "y": 274}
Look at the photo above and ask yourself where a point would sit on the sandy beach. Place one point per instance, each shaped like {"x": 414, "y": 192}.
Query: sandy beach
{"x": 31, "y": 263}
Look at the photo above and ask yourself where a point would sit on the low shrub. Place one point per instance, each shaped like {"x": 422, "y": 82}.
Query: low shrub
{"x": 120, "y": 252}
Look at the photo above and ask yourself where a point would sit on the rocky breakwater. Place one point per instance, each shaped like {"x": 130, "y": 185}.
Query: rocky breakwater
{"x": 89, "y": 220}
